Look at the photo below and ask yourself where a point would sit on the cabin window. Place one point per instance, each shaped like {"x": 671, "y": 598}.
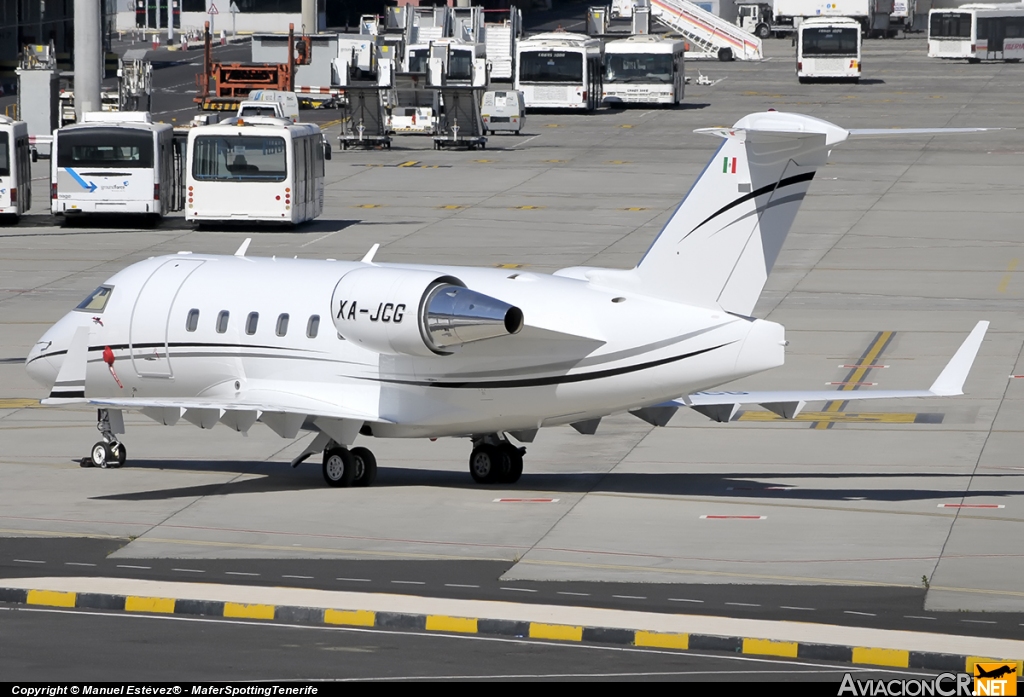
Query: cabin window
{"x": 282, "y": 324}
{"x": 313, "y": 326}
{"x": 222, "y": 321}
{"x": 251, "y": 323}
{"x": 192, "y": 321}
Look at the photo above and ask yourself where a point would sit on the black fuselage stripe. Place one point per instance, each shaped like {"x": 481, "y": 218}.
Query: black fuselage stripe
{"x": 552, "y": 379}
{"x": 788, "y": 181}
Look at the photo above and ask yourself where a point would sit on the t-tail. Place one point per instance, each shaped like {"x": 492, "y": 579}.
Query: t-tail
{"x": 721, "y": 243}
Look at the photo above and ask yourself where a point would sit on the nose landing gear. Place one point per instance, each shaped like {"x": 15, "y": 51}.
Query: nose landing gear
{"x": 495, "y": 460}
{"x": 109, "y": 452}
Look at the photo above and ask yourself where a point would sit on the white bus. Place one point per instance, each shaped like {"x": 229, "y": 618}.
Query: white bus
{"x": 257, "y": 169}
{"x": 559, "y": 70}
{"x": 114, "y": 162}
{"x": 977, "y": 32}
{"x": 828, "y": 48}
{"x": 644, "y": 69}
{"x": 15, "y": 170}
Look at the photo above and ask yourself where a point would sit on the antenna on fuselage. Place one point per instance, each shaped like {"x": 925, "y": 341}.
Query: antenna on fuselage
{"x": 242, "y": 249}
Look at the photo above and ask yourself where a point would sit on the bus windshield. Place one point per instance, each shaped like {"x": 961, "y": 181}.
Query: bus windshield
{"x": 5, "y": 155}
{"x": 105, "y": 147}
{"x": 638, "y": 67}
{"x": 950, "y": 25}
{"x": 239, "y": 158}
{"x": 551, "y": 66}
{"x": 830, "y": 41}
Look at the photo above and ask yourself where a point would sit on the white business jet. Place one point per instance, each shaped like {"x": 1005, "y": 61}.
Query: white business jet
{"x": 345, "y": 349}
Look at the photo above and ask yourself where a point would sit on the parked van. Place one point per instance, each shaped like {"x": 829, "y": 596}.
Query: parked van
{"x": 503, "y": 111}
{"x": 288, "y": 101}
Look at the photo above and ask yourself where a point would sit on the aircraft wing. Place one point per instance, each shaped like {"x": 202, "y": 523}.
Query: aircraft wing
{"x": 722, "y": 406}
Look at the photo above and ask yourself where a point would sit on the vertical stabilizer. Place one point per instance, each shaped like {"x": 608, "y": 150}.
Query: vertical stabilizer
{"x": 721, "y": 243}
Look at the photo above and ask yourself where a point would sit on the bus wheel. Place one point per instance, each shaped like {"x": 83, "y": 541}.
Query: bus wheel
{"x": 725, "y": 54}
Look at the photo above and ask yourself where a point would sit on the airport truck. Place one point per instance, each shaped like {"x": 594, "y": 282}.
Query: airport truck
{"x": 784, "y": 16}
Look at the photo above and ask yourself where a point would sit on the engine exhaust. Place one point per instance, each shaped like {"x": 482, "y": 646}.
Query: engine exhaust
{"x": 453, "y": 315}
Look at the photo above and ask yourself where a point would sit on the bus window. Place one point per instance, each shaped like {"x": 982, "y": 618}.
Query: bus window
{"x": 830, "y": 41}
{"x": 956, "y": 25}
{"x": 626, "y": 67}
{"x": 5, "y": 155}
{"x": 104, "y": 147}
{"x": 233, "y": 158}
{"x": 550, "y": 66}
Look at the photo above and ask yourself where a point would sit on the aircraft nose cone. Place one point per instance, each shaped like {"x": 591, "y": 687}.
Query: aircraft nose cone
{"x": 41, "y": 370}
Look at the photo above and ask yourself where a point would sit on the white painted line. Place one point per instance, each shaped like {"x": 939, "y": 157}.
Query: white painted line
{"x": 29, "y": 561}
{"x": 971, "y": 505}
{"x": 520, "y": 590}
{"x": 525, "y": 501}
{"x": 854, "y": 612}
{"x": 631, "y": 597}
{"x": 460, "y": 585}
{"x": 131, "y": 566}
{"x": 744, "y": 604}
{"x": 412, "y": 583}
{"x": 586, "y": 595}
{"x": 290, "y": 576}
{"x": 77, "y": 563}
{"x": 917, "y": 617}
{"x": 358, "y": 580}
{"x": 522, "y": 142}
{"x": 685, "y": 600}
{"x": 980, "y": 621}
{"x": 190, "y": 571}
{"x": 240, "y": 573}
{"x": 791, "y": 607}
{"x": 733, "y": 517}
{"x": 322, "y": 237}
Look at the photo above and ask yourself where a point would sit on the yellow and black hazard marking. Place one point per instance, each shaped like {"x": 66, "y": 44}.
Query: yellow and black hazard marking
{"x": 546, "y": 631}
{"x": 856, "y": 377}
{"x": 846, "y": 417}
{"x": 409, "y": 164}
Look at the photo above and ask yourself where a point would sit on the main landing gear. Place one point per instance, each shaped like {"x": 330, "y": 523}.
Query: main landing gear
{"x": 344, "y": 467}
{"x": 495, "y": 461}
{"x": 109, "y": 452}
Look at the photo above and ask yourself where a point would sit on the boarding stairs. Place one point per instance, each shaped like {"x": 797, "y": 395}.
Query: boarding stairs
{"x": 709, "y": 35}
{"x": 427, "y": 24}
{"x": 498, "y": 45}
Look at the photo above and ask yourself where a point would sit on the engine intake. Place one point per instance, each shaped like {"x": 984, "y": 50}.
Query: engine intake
{"x": 416, "y": 313}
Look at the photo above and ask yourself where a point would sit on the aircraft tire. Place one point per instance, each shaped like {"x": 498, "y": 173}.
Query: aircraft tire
{"x": 487, "y": 464}
{"x": 339, "y": 467}
{"x": 365, "y": 467}
{"x": 515, "y": 460}
{"x": 101, "y": 455}
{"x": 122, "y": 456}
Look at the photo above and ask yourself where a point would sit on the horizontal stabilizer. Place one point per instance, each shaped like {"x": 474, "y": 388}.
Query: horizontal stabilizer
{"x": 950, "y": 383}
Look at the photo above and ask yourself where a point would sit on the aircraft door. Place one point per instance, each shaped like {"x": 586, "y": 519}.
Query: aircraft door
{"x": 147, "y": 335}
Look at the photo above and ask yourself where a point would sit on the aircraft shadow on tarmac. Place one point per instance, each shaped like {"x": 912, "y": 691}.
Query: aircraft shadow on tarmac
{"x": 275, "y": 477}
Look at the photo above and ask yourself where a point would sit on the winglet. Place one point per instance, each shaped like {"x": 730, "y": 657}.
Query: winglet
{"x": 70, "y": 382}
{"x": 368, "y": 258}
{"x": 951, "y": 380}
{"x": 240, "y": 252}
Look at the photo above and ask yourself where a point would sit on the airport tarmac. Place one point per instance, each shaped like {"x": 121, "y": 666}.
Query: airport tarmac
{"x": 901, "y": 246}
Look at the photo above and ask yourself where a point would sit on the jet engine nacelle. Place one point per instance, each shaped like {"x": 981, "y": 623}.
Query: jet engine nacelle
{"x": 416, "y": 313}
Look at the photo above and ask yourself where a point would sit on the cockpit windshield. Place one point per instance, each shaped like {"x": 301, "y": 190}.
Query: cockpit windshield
{"x": 96, "y": 300}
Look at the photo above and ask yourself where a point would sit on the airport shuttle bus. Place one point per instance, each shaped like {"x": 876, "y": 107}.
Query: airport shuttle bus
{"x": 977, "y": 32}
{"x": 828, "y": 48}
{"x": 559, "y": 70}
{"x": 644, "y": 69}
{"x": 115, "y": 162}
{"x": 257, "y": 169}
{"x": 15, "y": 170}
